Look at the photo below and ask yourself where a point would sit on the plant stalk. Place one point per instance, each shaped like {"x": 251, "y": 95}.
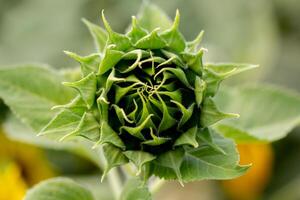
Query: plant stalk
{"x": 113, "y": 178}
{"x": 115, "y": 183}
{"x": 157, "y": 185}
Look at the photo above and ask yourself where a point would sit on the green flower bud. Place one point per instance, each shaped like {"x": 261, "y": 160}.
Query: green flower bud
{"x": 145, "y": 97}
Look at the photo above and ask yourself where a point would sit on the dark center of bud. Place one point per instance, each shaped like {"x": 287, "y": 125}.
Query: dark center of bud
{"x": 151, "y": 96}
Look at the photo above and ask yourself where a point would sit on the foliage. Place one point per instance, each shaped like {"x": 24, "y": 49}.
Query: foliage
{"x": 268, "y": 113}
{"x": 59, "y": 188}
{"x": 147, "y": 98}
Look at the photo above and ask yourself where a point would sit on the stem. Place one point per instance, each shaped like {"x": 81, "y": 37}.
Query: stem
{"x": 113, "y": 178}
{"x": 115, "y": 183}
{"x": 157, "y": 185}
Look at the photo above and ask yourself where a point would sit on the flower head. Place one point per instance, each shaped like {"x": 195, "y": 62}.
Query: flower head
{"x": 145, "y": 96}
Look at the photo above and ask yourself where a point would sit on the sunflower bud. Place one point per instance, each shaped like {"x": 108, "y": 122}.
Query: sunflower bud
{"x": 145, "y": 97}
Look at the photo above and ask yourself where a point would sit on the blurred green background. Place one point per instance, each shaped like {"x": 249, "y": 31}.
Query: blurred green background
{"x": 262, "y": 32}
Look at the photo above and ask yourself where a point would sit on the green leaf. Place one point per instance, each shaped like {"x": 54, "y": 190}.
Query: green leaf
{"x": 205, "y": 136}
{"x": 172, "y": 58}
{"x": 138, "y": 54}
{"x": 15, "y": 130}
{"x": 205, "y": 162}
{"x": 193, "y": 46}
{"x": 175, "y": 95}
{"x": 211, "y": 115}
{"x": 136, "y": 131}
{"x": 194, "y": 61}
{"x": 155, "y": 141}
{"x": 121, "y": 42}
{"x": 267, "y": 112}
{"x": 139, "y": 158}
{"x": 114, "y": 157}
{"x": 102, "y": 105}
{"x": 151, "y": 41}
{"x": 64, "y": 123}
{"x": 88, "y": 63}
{"x": 122, "y": 91}
{"x": 86, "y": 87}
{"x": 229, "y": 69}
{"x": 77, "y": 105}
{"x": 88, "y": 127}
{"x": 179, "y": 73}
{"x": 108, "y": 135}
{"x": 136, "y": 32}
{"x": 188, "y": 138}
{"x": 151, "y": 16}
{"x": 240, "y": 136}
{"x": 214, "y": 74}
{"x": 167, "y": 120}
{"x": 121, "y": 114}
{"x": 58, "y": 189}
{"x": 173, "y": 37}
{"x": 110, "y": 59}
{"x": 200, "y": 87}
{"x": 31, "y": 91}
{"x": 99, "y": 34}
{"x": 112, "y": 79}
{"x": 135, "y": 190}
{"x": 145, "y": 113}
{"x": 172, "y": 160}
{"x": 186, "y": 112}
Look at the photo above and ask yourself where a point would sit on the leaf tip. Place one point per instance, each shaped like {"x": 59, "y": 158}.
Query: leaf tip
{"x": 96, "y": 145}
{"x": 177, "y": 19}
{"x": 85, "y": 21}
{"x": 233, "y": 115}
{"x": 69, "y": 84}
{"x": 105, "y": 22}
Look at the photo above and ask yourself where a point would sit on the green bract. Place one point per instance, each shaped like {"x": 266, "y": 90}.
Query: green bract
{"x": 147, "y": 98}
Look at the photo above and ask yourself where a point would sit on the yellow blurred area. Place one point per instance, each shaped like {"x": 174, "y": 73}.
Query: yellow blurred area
{"x": 12, "y": 185}
{"x": 21, "y": 166}
{"x": 251, "y": 185}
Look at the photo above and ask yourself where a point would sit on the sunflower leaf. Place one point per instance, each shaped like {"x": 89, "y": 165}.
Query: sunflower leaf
{"x": 268, "y": 113}
{"x": 135, "y": 189}
{"x": 59, "y": 189}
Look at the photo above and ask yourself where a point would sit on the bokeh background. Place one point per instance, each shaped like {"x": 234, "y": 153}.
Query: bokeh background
{"x": 262, "y": 32}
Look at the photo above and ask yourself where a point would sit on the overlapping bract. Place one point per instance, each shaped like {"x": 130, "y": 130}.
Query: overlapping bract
{"x": 146, "y": 97}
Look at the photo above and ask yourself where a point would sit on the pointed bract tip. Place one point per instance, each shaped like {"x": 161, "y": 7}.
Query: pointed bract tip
{"x": 177, "y": 19}
{"x": 57, "y": 107}
{"x": 201, "y": 34}
{"x": 204, "y": 49}
{"x": 103, "y": 176}
{"x": 85, "y": 21}
{"x": 138, "y": 172}
{"x": 196, "y": 42}
{"x": 156, "y": 30}
{"x": 181, "y": 182}
{"x": 74, "y": 56}
{"x": 134, "y": 20}
{"x": 67, "y": 52}
{"x": 40, "y": 134}
{"x": 255, "y": 66}
{"x": 105, "y": 22}
{"x": 69, "y": 84}
{"x": 196, "y": 145}
{"x": 233, "y": 115}
{"x": 96, "y": 145}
